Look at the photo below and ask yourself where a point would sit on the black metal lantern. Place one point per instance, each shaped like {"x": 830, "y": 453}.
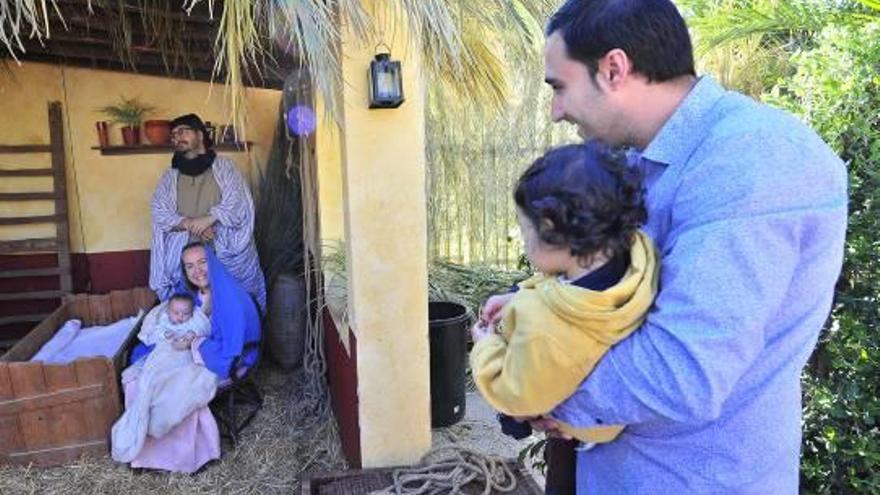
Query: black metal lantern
{"x": 386, "y": 84}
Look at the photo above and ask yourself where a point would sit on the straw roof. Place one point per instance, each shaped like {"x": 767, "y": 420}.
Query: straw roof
{"x": 464, "y": 42}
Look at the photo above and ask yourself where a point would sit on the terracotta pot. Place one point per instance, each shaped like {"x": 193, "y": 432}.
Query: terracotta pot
{"x": 158, "y": 131}
{"x": 131, "y": 136}
{"x": 103, "y": 135}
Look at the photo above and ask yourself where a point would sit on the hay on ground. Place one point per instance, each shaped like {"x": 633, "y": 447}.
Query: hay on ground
{"x": 275, "y": 453}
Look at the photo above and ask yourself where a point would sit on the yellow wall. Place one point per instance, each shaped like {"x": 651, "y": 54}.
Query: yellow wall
{"x": 328, "y": 154}
{"x": 109, "y": 196}
{"x": 384, "y": 165}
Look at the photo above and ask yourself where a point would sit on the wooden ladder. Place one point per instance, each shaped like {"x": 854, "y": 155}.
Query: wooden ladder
{"x": 58, "y": 244}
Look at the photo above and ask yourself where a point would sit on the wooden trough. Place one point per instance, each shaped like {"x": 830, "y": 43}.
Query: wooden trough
{"x": 51, "y": 414}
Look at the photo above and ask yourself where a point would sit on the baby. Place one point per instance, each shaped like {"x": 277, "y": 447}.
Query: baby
{"x": 171, "y": 327}
{"x": 181, "y": 321}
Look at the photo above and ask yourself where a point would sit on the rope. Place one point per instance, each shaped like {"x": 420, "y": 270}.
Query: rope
{"x": 447, "y": 470}
{"x": 316, "y": 392}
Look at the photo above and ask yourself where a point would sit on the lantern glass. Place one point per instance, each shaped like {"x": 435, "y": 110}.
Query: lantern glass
{"x": 386, "y": 85}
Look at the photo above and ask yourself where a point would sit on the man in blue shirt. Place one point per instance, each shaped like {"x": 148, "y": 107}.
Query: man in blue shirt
{"x": 747, "y": 207}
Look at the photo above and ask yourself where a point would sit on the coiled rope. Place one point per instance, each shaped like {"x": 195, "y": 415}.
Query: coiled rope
{"x": 446, "y": 470}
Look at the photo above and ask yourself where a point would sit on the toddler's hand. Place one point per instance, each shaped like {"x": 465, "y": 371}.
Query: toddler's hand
{"x": 549, "y": 426}
{"x": 481, "y": 330}
{"x": 491, "y": 311}
{"x": 168, "y": 334}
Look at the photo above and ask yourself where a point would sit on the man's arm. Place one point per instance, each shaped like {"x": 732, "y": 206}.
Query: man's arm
{"x": 736, "y": 237}
{"x": 236, "y": 207}
{"x": 164, "y": 205}
{"x": 167, "y": 236}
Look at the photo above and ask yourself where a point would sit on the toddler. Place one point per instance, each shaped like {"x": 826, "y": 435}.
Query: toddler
{"x": 579, "y": 208}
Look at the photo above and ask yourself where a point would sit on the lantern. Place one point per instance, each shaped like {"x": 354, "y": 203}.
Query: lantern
{"x": 386, "y": 85}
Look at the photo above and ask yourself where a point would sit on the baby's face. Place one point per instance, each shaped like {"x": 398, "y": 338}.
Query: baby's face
{"x": 179, "y": 311}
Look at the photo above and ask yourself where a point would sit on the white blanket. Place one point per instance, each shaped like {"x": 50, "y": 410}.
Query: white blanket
{"x": 72, "y": 341}
{"x": 171, "y": 384}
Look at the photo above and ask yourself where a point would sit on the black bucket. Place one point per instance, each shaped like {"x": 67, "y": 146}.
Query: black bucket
{"x": 448, "y": 325}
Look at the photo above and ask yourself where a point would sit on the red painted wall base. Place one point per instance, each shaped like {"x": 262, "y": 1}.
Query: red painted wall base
{"x": 342, "y": 378}
{"x": 94, "y": 273}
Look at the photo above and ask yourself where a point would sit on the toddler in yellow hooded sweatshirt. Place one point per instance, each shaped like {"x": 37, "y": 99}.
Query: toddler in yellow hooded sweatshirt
{"x": 579, "y": 209}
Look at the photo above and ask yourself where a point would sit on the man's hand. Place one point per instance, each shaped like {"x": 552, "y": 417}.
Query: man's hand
{"x": 208, "y": 234}
{"x": 481, "y": 330}
{"x": 197, "y": 226}
{"x": 183, "y": 225}
{"x": 548, "y": 425}
{"x": 491, "y": 311}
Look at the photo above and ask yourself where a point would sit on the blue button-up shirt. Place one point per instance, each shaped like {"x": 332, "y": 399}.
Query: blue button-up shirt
{"x": 747, "y": 206}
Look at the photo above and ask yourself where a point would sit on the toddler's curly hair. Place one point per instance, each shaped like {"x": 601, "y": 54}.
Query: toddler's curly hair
{"x": 583, "y": 197}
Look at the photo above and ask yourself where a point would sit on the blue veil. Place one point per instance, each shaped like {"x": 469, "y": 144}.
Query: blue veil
{"x": 235, "y": 320}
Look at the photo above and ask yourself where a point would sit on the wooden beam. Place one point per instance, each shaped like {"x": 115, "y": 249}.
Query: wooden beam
{"x": 27, "y": 196}
{"x": 31, "y": 272}
{"x": 271, "y": 78}
{"x": 59, "y": 181}
{"x": 25, "y": 148}
{"x": 143, "y": 149}
{"x": 199, "y": 15}
{"x": 28, "y": 245}
{"x": 27, "y": 296}
{"x": 27, "y": 172}
{"x": 32, "y": 220}
{"x": 33, "y": 318}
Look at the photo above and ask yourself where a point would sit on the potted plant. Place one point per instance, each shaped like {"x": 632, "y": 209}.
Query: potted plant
{"x": 129, "y": 112}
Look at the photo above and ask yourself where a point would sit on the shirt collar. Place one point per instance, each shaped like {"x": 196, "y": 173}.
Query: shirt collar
{"x": 686, "y": 128}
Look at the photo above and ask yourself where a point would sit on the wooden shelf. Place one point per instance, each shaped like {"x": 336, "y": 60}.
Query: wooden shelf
{"x": 166, "y": 148}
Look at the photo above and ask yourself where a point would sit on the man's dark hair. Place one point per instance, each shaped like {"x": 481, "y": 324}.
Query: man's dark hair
{"x": 583, "y": 197}
{"x": 651, "y": 32}
{"x": 195, "y": 123}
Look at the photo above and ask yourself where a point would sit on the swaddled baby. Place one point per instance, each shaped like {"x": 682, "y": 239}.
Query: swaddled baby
{"x": 171, "y": 327}
{"x": 181, "y": 321}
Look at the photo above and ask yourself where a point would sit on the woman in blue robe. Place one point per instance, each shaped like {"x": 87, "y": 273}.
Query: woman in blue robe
{"x": 235, "y": 323}
{"x": 235, "y": 320}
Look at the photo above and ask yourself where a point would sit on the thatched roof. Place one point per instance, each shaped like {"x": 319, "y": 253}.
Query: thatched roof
{"x": 147, "y": 37}
{"x": 465, "y": 43}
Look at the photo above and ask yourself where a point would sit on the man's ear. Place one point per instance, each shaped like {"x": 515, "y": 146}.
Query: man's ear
{"x": 615, "y": 68}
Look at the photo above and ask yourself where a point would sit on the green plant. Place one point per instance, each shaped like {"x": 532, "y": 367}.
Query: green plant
{"x": 129, "y": 111}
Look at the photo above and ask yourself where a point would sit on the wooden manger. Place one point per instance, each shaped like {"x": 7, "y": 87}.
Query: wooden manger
{"x": 51, "y": 414}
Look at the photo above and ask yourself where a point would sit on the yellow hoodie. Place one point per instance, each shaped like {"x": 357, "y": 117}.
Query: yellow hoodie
{"x": 553, "y": 334}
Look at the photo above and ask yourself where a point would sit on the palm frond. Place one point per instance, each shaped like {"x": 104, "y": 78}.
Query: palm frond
{"x": 465, "y": 44}
{"x": 237, "y": 47}
{"x": 310, "y": 30}
{"x": 749, "y": 65}
{"x": 19, "y": 18}
{"x": 725, "y": 22}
